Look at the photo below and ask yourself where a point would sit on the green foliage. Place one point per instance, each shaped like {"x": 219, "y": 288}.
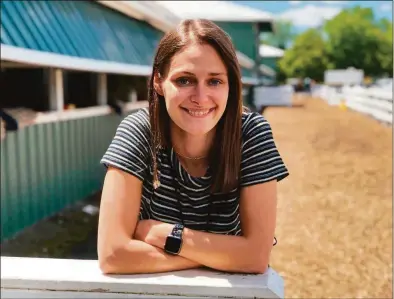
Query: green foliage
{"x": 386, "y": 51}
{"x": 306, "y": 58}
{"x": 357, "y": 40}
{"x": 353, "y": 38}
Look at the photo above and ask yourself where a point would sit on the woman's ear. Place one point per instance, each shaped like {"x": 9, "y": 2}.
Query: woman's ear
{"x": 157, "y": 84}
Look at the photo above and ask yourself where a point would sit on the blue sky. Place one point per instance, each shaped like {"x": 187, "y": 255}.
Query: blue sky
{"x": 306, "y": 14}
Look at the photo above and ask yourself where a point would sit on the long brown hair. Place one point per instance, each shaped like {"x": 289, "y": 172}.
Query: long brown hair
{"x": 225, "y": 155}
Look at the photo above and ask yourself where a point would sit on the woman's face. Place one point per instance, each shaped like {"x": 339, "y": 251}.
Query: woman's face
{"x": 195, "y": 89}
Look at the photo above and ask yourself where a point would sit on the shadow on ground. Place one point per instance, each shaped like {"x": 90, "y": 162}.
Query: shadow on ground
{"x": 71, "y": 233}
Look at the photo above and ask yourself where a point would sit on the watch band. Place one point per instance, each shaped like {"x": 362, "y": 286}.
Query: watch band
{"x": 177, "y": 231}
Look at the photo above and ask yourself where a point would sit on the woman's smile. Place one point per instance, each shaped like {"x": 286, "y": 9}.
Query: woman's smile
{"x": 199, "y": 113}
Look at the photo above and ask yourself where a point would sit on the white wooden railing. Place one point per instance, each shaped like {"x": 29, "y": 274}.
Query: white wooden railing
{"x": 374, "y": 101}
{"x": 55, "y": 116}
{"x": 65, "y": 278}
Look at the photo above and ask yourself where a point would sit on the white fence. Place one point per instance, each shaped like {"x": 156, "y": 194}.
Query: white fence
{"x": 374, "y": 101}
{"x": 23, "y": 277}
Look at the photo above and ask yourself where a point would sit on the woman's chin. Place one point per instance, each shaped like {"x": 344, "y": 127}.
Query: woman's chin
{"x": 197, "y": 131}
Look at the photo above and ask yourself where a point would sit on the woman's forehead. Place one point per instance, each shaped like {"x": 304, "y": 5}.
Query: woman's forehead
{"x": 197, "y": 57}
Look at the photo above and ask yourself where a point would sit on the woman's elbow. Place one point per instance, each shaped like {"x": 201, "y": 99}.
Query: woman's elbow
{"x": 105, "y": 265}
{"x": 259, "y": 268}
{"x": 109, "y": 260}
{"x": 257, "y": 264}
{"x": 247, "y": 267}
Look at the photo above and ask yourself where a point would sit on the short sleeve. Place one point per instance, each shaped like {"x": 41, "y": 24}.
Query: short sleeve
{"x": 129, "y": 149}
{"x": 261, "y": 161}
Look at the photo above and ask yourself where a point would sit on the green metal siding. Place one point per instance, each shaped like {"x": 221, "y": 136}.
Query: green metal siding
{"x": 78, "y": 28}
{"x": 249, "y": 73}
{"x": 46, "y": 167}
{"x": 242, "y": 35}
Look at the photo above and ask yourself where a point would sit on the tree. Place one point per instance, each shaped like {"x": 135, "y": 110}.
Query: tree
{"x": 386, "y": 51}
{"x": 356, "y": 39}
{"x": 307, "y": 57}
{"x": 353, "y": 38}
{"x": 284, "y": 34}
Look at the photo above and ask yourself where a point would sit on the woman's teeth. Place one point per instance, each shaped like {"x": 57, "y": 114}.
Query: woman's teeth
{"x": 199, "y": 112}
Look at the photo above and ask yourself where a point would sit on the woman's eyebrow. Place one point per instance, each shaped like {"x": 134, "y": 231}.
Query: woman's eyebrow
{"x": 217, "y": 74}
{"x": 187, "y": 73}
{"x": 210, "y": 74}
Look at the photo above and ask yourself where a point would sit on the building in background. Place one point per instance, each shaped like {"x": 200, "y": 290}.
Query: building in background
{"x": 270, "y": 56}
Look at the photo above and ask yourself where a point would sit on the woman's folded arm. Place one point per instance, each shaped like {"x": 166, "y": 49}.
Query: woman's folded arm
{"x": 248, "y": 253}
{"x": 139, "y": 257}
{"x": 118, "y": 251}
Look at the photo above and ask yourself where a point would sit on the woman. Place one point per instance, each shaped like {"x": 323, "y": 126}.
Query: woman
{"x": 192, "y": 181}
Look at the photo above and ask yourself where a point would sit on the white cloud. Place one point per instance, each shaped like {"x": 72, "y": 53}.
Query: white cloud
{"x": 335, "y": 2}
{"x": 309, "y": 15}
{"x": 386, "y": 7}
{"x": 325, "y": 2}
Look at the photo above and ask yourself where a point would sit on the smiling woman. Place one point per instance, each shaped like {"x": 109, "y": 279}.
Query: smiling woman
{"x": 191, "y": 182}
{"x": 195, "y": 82}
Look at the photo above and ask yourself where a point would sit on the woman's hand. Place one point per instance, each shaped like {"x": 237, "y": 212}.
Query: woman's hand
{"x": 153, "y": 232}
{"x": 142, "y": 229}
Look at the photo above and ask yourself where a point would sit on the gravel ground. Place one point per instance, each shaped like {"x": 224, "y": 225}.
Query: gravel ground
{"x": 334, "y": 224}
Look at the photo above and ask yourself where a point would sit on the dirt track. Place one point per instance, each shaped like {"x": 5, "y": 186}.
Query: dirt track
{"x": 334, "y": 223}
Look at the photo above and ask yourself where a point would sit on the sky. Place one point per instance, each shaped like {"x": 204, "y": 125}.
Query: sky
{"x": 307, "y": 14}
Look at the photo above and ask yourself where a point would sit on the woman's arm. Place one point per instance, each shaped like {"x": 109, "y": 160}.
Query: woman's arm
{"x": 137, "y": 257}
{"x": 248, "y": 253}
{"x": 117, "y": 252}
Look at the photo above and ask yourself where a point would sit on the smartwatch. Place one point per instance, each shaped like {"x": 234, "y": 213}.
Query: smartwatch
{"x": 174, "y": 240}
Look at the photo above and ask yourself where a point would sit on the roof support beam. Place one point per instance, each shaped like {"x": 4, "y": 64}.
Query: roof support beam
{"x": 56, "y": 92}
{"x": 102, "y": 92}
{"x": 52, "y": 60}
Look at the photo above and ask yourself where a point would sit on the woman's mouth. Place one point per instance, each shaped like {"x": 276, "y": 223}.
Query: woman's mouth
{"x": 198, "y": 112}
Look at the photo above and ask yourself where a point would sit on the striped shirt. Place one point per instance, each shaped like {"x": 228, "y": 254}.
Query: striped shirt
{"x": 182, "y": 197}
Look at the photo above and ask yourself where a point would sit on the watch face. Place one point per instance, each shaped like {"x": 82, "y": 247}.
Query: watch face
{"x": 173, "y": 245}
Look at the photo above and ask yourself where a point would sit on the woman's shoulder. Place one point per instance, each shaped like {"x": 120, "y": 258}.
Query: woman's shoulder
{"x": 139, "y": 117}
{"x": 130, "y": 148}
{"x": 253, "y": 122}
{"x": 137, "y": 122}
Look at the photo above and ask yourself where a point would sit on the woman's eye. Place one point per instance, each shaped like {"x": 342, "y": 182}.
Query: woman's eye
{"x": 215, "y": 82}
{"x": 183, "y": 81}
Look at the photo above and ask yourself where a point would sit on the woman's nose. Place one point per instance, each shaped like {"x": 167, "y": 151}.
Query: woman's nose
{"x": 200, "y": 95}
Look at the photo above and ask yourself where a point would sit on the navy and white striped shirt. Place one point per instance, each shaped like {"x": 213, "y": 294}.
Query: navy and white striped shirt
{"x": 182, "y": 197}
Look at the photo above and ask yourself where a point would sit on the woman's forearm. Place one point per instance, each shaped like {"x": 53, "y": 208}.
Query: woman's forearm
{"x": 221, "y": 252}
{"x": 137, "y": 257}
